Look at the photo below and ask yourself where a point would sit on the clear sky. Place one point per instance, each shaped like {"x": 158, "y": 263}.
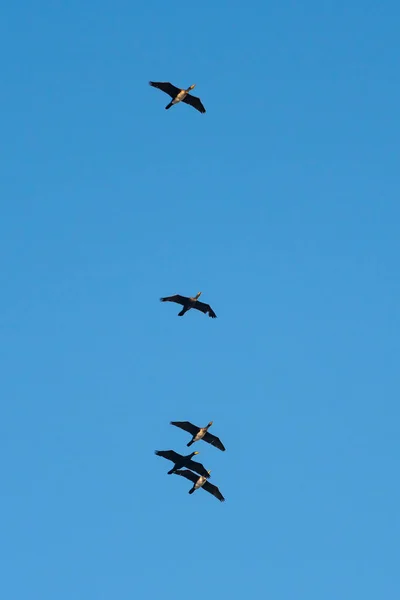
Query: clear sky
{"x": 280, "y": 204}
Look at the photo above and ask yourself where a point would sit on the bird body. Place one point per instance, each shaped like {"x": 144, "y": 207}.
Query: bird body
{"x": 199, "y": 433}
{"x": 179, "y": 95}
{"x": 183, "y": 461}
{"x": 182, "y": 94}
{"x": 200, "y": 482}
{"x": 189, "y": 303}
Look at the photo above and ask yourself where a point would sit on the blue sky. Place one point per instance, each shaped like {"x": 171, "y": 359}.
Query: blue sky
{"x": 281, "y": 205}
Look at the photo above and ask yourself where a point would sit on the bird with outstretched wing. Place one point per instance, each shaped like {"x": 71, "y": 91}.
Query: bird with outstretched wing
{"x": 182, "y": 461}
{"x": 199, "y": 433}
{"x": 179, "y": 95}
{"x": 206, "y": 485}
{"x": 189, "y": 303}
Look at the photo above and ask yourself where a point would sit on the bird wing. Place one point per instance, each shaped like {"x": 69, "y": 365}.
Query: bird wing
{"x": 187, "y": 474}
{"x": 166, "y": 87}
{"x": 205, "y": 308}
{"x": 177, "y": 298}
{"x": 186, "y": 426}
{"x": 212, "y": 489}
{"x": 198, "y": 467}
{"x": 214, "y": 441}
{"x": 169, "y": 455}
{"x": 195, "y": 102}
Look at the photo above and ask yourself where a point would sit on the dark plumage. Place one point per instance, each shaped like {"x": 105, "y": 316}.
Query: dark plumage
{"x": 189, "y": 303}
{"x": 199, "y": 433}
{"x": 179, "y": 95}
{"x": 183, "y": 461}
{"x": 201, "y": 482}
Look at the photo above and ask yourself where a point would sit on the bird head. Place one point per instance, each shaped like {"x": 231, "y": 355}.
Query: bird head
{"x": 209, "y": 472}
{"x": 198, "y": 295}
{"x": 192, "y": 87}
{"x": 210, "y": 423}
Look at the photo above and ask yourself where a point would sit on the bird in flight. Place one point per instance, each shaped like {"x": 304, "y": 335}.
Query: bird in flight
{"x": 201, "y": 482}
{"x": 183, "y": 461}
{"x": 179, "y": 95}
{"x": 189, "y": 303}
{"x": 199, "y": 433}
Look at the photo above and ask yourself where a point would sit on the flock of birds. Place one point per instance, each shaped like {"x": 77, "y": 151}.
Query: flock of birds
{"x": 198, "y": 433}
{"x": 179, "y": 460}
{"x": 195, "y": 471}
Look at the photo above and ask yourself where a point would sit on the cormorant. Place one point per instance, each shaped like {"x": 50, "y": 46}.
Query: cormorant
{"x": 183, "y": 461}
{"x": 199, "y": 482}
{"x": 199, "y": 433}
{"x": 179, "y": 95}
{"x": 189, "y": 303}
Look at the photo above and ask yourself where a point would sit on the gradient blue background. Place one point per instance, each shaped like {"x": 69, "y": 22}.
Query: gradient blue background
{"x": 281, "y": 205}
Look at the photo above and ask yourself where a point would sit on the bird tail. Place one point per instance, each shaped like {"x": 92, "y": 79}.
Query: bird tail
{"x": 190, "y": 443}
{"x": 191, "y": 491}
{"x": 168, "y": 106}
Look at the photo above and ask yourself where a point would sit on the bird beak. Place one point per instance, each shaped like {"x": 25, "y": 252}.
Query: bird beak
{"x": 196, "y": 452}
{"x": 192, "y": 86}
{"x": 209, "y": 472}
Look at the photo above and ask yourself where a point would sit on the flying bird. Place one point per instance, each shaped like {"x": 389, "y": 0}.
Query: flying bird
{"x": 183, "y": 461}
{"x": 201, "y": 482}
{"x": 199, "y": 433}
{"x": 189, "y": 303}
{"x": 179, "y": 95}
